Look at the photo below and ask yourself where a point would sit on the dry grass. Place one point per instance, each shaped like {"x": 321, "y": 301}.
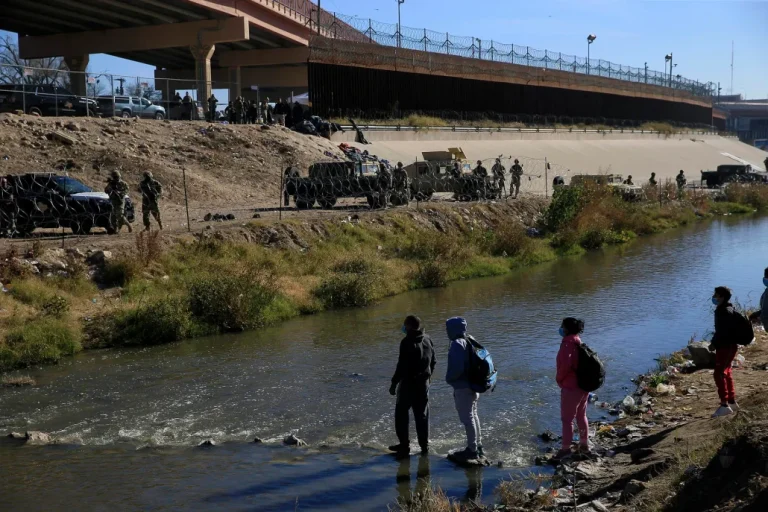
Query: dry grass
{"x": 17, "y": 381}
{"x": 431, "y": 500}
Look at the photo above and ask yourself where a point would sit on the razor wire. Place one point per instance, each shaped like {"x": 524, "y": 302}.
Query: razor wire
{"x": 386, "y": 34}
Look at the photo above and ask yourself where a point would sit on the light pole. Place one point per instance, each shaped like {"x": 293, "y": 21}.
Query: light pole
{"x": 399, "y": 26}
{"x": 590, "y": 39}
{"x": 668, "y": 58}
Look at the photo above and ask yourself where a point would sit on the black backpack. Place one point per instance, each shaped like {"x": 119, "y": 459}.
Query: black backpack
{"x": 745, "y": 334}
{"x": 481, "y": 372}
{"x": 590, "y": 373}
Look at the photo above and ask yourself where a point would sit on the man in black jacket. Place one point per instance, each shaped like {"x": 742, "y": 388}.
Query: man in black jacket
{"x": 411, "y": 385}
{"x": 724, "y": 344}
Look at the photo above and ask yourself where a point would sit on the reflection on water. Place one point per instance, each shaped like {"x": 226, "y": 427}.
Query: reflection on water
{"x": 326, "y": 378}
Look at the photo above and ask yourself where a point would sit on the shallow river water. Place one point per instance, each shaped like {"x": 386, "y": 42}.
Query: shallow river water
{"x": 129, "y": 420}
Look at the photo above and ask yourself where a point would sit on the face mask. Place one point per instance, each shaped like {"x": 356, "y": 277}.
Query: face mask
{"x": 765, "y": 282}
{"x": 715, "y": 301}
{"x": 405, "y": 331}
{"x": 562, "y": 332}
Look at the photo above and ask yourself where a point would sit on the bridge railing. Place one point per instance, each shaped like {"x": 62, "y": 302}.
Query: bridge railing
{"x": 349, "y": 27}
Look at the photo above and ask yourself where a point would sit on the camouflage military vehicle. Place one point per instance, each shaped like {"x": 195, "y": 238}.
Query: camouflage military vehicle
{"x": 734, "y": 173}
{"x": 449, "y": 171}
{"x": 615, "y": 181}
{"x": 329, "y": 181}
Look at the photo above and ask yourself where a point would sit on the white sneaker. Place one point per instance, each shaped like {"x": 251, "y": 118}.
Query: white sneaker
{"x": 723, "y": 410}
{"x": 734, "y": 407}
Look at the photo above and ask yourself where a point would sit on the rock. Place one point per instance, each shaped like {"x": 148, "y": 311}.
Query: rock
{"x": 257, "y": 440}
{"x": 75, "y": 253}
{"x": 230, "y": 216}
{"x": 35, "y": 437}
{"x": 640, "y": 454}
{"x": 207, "y": 443}
{"x": 99, "y": 257}
{"x": 208, "y": 217}
{"x": 626, "y": 431}
{"x": 16, "y": 435}
{"x": 468, "y": 463}
{"x": 633, "y": 488}
{"x": 598, "y": 506}
{"x": 548, "y": 436}
{"x": 292, "y": 440}
{"x": 256, "y": 215}
{"x": 701, "y": 355}
{"x": 61, "y": 137}
{"x": 72, "y": 126}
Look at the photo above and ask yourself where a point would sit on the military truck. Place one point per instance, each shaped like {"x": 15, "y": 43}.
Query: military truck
{"x": 329, "y": 181}
{"x": 615, "y": 181}
{"x": 449, "y": 171}
{"x": 733, "y": 173}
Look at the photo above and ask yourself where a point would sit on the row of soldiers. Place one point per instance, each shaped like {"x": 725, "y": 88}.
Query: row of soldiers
{"x": 498, "y": 174}
{"x": 243, "y": 111}
{"x": 151, "y": 191}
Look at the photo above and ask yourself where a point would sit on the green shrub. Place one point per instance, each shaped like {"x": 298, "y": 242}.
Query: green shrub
{"x": 161, "y": 321}
{"x": 509, "y": 240}
{"x": 430, "y": 274}
{"x": 56, "y": 307}
{"x": 566, "y": 204}
{"x": 41, "y": 340}
{"x": 119, "y": 272}
{"x": 356, "y": 281}
{"x": 754, "y": 195}
{"x": 232, "y": 302}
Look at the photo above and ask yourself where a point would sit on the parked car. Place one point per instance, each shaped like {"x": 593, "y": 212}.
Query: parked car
{"x": 131, "y": 106}
{"x": 45, "y": 100}
{"x": 46, "y": 200}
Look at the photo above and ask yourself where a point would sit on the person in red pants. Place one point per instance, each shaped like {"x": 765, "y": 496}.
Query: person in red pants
{"x": 573, "y": 399}
{"x": 724, "y": 344}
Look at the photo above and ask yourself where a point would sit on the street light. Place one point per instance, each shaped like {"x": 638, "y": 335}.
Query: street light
{"x": 399, "y": 26}
{"x": 668, "y": 58}
{"x": 590, "y": 39}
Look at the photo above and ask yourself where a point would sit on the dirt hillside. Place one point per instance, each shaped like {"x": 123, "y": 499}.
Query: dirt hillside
{"x": 225, "y": 164}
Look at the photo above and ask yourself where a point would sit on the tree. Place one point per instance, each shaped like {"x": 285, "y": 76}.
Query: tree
{"x": 15, "y": 70}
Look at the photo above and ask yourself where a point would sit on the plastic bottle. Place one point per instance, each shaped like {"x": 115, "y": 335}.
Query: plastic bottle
{"x": 592, "y": 398}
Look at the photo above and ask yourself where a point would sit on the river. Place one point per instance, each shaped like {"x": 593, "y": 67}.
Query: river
{"x": 129, "y": 420}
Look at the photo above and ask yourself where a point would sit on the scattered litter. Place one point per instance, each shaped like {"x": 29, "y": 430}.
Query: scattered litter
{"x": 628, "y": 401}
{"x": 738, "y": 361}
{"x": 592, "y": 398}
{"x": 665, "y": 389}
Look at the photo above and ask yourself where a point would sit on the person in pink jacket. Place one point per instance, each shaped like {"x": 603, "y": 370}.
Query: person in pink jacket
{"x": 573, "y": 400}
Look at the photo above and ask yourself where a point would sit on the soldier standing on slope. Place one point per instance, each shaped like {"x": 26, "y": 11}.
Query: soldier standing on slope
{"x": 498, "y": 171}
{"x": 517, "y": 177}
{"x": 681, "y": 181}
{"x": 116, "y": 190}
{"x": 151, "y": 192}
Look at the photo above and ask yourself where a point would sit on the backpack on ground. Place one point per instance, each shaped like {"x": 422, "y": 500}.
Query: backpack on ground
{"x": 481, "y": 372}
{"x": 590, "y": 372}
{"x": 743, "y": 330}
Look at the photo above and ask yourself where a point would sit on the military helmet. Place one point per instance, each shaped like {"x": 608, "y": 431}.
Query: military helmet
{"x": 116, "y": 175}
{"x": 517, "y": 161}
{"x": 479, "y": 162}
{"x": 399, "y": 164}
{"x": 148, "y": 175}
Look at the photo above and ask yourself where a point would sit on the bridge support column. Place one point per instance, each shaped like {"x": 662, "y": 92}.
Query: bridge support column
{"x": 202, "y": 55}
{"x": 235, "y": 83}
{"x": 77, "y": 77}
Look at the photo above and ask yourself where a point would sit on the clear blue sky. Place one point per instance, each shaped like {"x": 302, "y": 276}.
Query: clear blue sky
{"x": 628, "y": 32}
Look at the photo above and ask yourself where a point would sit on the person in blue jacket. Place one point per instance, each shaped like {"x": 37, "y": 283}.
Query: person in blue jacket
{"x": 464, "y": 398}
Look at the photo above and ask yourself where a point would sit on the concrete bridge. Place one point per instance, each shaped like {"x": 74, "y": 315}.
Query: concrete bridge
{"x": 286, "y": 45}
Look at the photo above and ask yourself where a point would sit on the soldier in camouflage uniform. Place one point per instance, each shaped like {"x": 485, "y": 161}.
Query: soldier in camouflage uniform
{"x": 681, "y": 182}
{"x": 116, "y": 190}
{"x": 385, "y": 184}
{"x": 498, "y": 171}
{"x": 151, "y": 192}
{"x": 517, "y": 178}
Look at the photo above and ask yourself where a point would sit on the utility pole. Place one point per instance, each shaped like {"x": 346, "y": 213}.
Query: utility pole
{"x": 121, "y": 80}
{"x": 399, "y": 25}
{"x": 731, "y": 66}
{"x": 590, "y": 39}
{"x": 318, "y": 17}
{"x": 646, "y": 72}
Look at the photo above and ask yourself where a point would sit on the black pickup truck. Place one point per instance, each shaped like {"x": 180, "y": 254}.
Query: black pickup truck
{"x": 45, "y": 200}
{"x": 733, "y": 173}
{"x": 45, "y": 100}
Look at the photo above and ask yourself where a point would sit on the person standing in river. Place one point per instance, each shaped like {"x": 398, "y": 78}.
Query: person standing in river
{"x": 573, "y": 399}
{"x": 725, "y": 345}
{"x": 464, "y": 397}
{"x": 410, "y": 384}
{"x": 762, "y": 313}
